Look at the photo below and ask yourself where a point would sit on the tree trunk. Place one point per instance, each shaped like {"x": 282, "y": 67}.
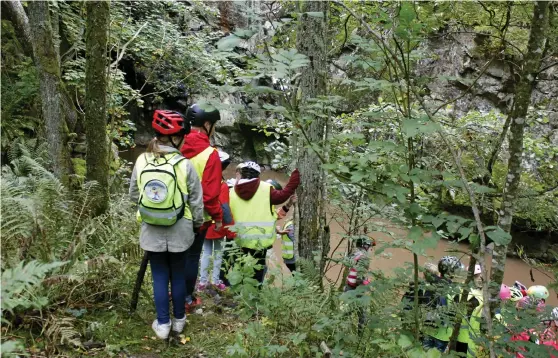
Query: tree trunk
{"x": 531, "y": 64}
{"x": 19, "y": 20}
{"x": 50, "y": 84}
{"x": 311, "y": 42}
{"x": 97, "y": 159}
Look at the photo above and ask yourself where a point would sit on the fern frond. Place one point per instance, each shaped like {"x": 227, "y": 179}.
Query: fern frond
{"x": 20, "y": 283}
{"x": 9, "y": 347}
{"x": 62, "y": 330}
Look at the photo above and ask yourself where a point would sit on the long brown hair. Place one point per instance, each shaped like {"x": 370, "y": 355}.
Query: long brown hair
{"x": 153, "y": 148}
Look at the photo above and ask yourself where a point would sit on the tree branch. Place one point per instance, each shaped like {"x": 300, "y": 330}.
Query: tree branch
{"x": 496, "y": 149}
{"x": 467, "y": 90}
{"x": 20, "y": 21}
{"x": 123, "y": 49}
{"x": 547, "y": 67}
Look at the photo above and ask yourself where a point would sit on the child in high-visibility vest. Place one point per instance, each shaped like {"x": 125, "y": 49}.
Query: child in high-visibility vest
{"x": 252, "y": 205}
{"x": 287, "y": 234}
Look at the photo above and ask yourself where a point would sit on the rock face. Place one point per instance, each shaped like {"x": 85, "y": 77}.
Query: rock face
{"x": 455, "y": 63}
{"x": 236, "y": 132}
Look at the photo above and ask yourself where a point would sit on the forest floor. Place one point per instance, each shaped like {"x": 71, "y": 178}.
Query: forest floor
{"x": 207, "y": 333}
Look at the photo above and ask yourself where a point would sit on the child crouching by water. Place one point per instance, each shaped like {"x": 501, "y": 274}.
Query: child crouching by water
{"x": 359, "y": 263}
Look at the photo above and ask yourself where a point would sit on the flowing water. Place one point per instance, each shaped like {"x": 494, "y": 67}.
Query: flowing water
{"x": 392, "y": 258}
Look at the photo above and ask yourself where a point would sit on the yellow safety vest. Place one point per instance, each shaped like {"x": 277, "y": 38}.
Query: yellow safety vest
{"x": 200, "y": 161}
{"x": 172, "y": 160}
{"x": 470, "y": 328}
{"x": 254, "y": 219}
{"x": 287, "y": 246}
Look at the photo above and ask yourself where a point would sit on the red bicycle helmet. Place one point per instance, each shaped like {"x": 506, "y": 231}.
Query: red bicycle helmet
{"x": 168, "y": 123}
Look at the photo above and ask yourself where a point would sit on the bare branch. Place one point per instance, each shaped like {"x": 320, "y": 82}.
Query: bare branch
{"x": 485, "y": 67}
{"x": 123, "y": 49}
{"x": 547, "y": 67}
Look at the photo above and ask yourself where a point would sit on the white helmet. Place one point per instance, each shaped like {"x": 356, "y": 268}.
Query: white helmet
{"x": 516, "y": 294}
{"x": 554, "y": 315}
{"x": 449, "y": 266}
{"x": 251, "y": 165}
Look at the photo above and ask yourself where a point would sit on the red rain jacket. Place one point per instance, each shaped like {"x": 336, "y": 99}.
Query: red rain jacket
{"x": 194, "y": 143}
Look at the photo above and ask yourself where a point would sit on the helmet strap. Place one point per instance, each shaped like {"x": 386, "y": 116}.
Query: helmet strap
{"x": 210, "y": 129}
{"x": 174, "y": 144}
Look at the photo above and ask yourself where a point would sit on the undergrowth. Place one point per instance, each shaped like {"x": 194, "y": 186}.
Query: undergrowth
{"x": 67, "y": 278}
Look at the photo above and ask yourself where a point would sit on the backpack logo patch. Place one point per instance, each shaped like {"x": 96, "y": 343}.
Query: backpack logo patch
{"x": 156, "y": 191}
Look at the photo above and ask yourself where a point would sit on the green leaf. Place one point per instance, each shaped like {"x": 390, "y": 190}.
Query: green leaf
{"x": 404, "y": 341}
{"x": 474, "y": 240}
{"x": 244, "y": 33}
{"x": 234, "y": 278}
{"x": 228, "y": 43}
{"x": 412, "y": 127}
{"x": 415, "y": 233}
{"x": 433, "y": 353}
{"x": 329, "y": 166}
{"x": 357, "y": 177}
{"x": 481, "y": 189}
{"x": 317, "y": 14}
{"x": 499, "y": 236}
{"x": 407, "y": 12}
{"x": 427, "y": 242}
{"x": 11, "y": 347}
{"x": 464, "y": 232}
{"x": 438, "y": 221}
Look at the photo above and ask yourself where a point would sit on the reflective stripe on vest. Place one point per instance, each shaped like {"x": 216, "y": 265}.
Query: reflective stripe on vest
{"x": 287, "y": 246}
{"x": 200, "y": 161}
{"x": 254, "y": 219}
{"x": 179, "y": 165}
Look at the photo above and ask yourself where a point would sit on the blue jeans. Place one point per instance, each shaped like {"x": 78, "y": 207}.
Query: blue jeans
{"x": 431, "y": 342}
{"x": 165, "y": 267}
{"x": 192, "y": 264}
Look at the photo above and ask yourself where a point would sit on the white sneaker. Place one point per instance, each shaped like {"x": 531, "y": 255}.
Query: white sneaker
{"x": 178, "y": 324}
{"x": 161, "y": 330}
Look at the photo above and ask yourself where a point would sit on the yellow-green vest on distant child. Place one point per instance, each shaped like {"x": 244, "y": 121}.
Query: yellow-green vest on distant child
{"x": 470, "y": 329}
{"x": 254, "y": 219}
{"x": 200, "y": 161}
{"x": 287, "y": 246}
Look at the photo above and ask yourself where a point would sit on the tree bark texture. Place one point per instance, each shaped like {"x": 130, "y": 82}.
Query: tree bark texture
{"x": 97, "y": 158}
{"x": 50, "y": 84}
{"x": 311, "y": 42}
{"x": 19, "y": 20}
{"x": 531, "y": 64}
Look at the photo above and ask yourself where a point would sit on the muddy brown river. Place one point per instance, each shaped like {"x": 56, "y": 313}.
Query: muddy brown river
{"x": 516, "y": 269}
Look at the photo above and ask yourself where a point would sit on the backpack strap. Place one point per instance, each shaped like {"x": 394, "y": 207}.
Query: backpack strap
{"x": 176, "y": 159}
{"x": 173, "y": 162}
